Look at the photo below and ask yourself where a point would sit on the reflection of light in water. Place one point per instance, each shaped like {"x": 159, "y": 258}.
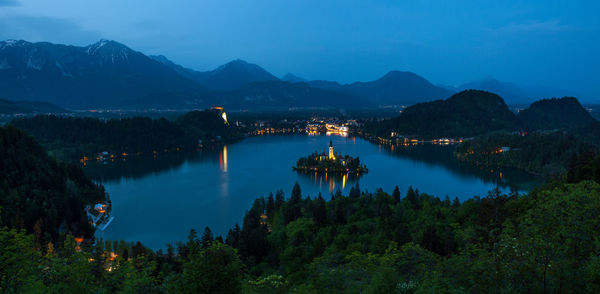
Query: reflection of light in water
{"x": 320, "y": 182}
{"x": 344, "y": 181}
{"x": 331, "y": 184}
{"x": 340, "y": 133}
{"x": 224, "y": 174}
{"x": 223, "y": 159}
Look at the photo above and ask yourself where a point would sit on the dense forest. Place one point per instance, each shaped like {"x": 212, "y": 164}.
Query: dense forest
{"x": 545, "y": 154}
{"x": 465, "y": 114}
{"x": 473, "y": 113}
{"x": 547, "y": 114}
{"x": 363, "y": 242}
{"x": 71, "y": 138}
{"x": 39, "y": 194}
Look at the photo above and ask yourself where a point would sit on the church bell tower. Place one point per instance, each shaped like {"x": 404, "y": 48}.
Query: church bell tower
{"x": 331, "y": 155}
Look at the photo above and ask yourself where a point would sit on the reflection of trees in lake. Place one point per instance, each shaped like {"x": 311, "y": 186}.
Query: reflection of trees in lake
{"x": 437, "y": 155}
{"x": 136, "y": 167}
{"x": 332, "y": 180}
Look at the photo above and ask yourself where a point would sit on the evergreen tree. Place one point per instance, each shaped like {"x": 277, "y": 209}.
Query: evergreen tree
{"x": 354, "y": 192}
{"x": 214, "y": 269}
{"x": 293, "y": 209}
{"x": 279, "y": 199}
{"x": 396, "y": 195}
{"x": 320, "y": 210}
{"x": 233, "y": 237}
{"x": 411, "y": 196}
{"x": 270, "y": 207}
{"x": 253, "y": 237}
{"x": 207, "y": 237}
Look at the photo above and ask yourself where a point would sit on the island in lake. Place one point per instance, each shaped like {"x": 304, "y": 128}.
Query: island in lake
{"x": 330, "y": 163}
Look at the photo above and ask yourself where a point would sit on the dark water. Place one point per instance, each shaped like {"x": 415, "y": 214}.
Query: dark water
{"x": 157, "y": 201}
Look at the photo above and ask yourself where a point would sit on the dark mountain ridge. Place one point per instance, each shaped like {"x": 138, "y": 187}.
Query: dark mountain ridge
{"x": 229, "y": 76}
{"x": 465, "y": 114}
{"x": 555, "y": 113}
{"x": 394, "y": 88}
{"x": 273, "y": 95}
{"x": 292, "y": 78}
{"x": 103, "y": 74}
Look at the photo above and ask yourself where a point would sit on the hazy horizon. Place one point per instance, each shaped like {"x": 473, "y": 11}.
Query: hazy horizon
{"x": 538, "y": 43}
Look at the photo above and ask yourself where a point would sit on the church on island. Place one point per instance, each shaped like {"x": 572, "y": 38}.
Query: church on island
{"x": 330, "y": 162}
{"x": 331, "y": 155}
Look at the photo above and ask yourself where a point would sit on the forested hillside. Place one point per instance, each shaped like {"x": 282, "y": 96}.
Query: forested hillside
{"x": 465, "y": 114}
{"x": 548, "y": 114}
{"x": 358, "y": 243}
{"x": 71, "y": 138}
{"x": 40, "y": 195}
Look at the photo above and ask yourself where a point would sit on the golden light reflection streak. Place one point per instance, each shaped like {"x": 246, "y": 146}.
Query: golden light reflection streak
{"x": 225, "y": 158}
{"x": 344, "y": 181}
{"x": 224, "y": 175}
{"x": 331, "y": 184}
{"x": 341, "y": 133}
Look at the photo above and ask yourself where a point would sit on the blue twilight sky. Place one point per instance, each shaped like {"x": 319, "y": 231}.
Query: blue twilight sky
{"x": 536, "y": 42}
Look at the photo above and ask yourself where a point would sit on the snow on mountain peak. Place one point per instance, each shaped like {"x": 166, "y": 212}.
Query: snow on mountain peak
{"x": 109, "y": 50}
{"x": 12, "y": 43}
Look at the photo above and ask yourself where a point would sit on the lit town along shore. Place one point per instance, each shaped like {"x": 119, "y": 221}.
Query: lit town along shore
{"x": 330, "y": 163}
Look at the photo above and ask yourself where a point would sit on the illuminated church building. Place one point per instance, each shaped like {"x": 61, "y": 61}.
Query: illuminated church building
{"x": 331, "y": 154}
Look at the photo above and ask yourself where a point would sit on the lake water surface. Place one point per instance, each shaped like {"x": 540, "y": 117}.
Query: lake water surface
{"x": 157, "y": 201}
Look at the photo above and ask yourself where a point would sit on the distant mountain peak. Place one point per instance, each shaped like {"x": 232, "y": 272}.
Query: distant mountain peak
{"x": 109, "y": 50}
{"x": 237, "y": 64}
{"x": 396, "y": 74}
{"x": 290, "y": 77}
{"x": 12, "y": 43}
{"x": 234, "y": 74}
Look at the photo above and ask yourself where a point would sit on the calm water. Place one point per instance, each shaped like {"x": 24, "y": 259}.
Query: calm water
{"x": 157, "y": 201}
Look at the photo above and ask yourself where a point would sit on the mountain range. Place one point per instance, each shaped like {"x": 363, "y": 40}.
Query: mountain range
{"x": 229, "y": 76}
{"x": 108, "y": 74}
{"x": 394, "y": 88}
{"x": 104, "y": 74}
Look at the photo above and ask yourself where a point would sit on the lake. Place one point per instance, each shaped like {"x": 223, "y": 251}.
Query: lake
{"x": 158, "y": 200}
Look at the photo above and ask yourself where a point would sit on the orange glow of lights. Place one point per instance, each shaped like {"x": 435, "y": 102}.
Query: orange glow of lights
{"x": 331, "y": 185}
{"x": 223, "y": 159}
